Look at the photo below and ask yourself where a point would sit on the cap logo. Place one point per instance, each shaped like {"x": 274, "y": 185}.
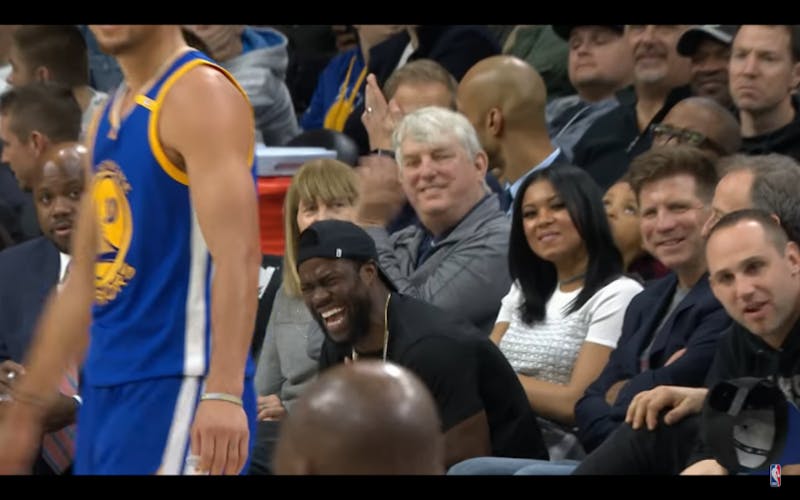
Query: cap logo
{"x": 338, "y": 253}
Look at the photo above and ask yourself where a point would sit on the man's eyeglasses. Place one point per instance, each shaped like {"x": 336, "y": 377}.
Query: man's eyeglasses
{"x": 663, "y": 134}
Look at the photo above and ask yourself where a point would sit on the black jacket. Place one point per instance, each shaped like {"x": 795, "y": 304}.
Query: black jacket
{"x": 607, "y": 147}
{"x": 785, "y": 140}
{"x": 743, "y": 354}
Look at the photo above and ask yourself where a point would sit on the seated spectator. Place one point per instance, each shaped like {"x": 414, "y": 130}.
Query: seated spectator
{"x": 455, "y": 258}
{"x": 340, "y": 86}
{"x": 320, "y": 190}
{"x": 670, "y": 330}
{"x": 482, "y": 405}
{"x": 29, "y": 272}
{"x": 503, "y": 98}
{"x": 563, "y": 315}
{"x": 600, "y": 64}
{"x": 32, "y": 118}
{"x": 754, "y": 272}
{"x": 709, "y": 48}
{"x": 767, "y": 182}
{"x": 59, "y": 54}
{"x": 699, "y": 122}
{"x": 622, "y": 210}
{"x": 415, "y": 85}
{"x": 455, "y": 47}
{"x": 257, "y": 58}
{"x": 763, "y": 89}
{"x": 649, "y": 442}
{"x": 363, "y": 418}
{"x": 660, "y": 79}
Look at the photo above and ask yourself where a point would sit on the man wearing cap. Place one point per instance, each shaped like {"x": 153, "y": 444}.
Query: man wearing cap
{"x": 764, "y": 73}
{"x": 600, "y": 63}
{"x": 709, "y": 48}
{"x": 755, "y": 273}
{"x": 482, "y": 405}
{"x": 660, "y": 79}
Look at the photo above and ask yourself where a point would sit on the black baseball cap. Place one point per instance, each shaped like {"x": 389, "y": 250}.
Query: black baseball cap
{"x": 748, "y": 424}
{"x": 564, "y": 30}
{"x": 691, "y": 38}
{"x": 337, "y": 239}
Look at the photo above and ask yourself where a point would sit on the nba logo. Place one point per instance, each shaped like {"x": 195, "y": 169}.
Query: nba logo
{"x": 775, "y": 475}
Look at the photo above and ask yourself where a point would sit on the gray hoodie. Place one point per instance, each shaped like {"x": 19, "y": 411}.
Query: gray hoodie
{"x": 261, "y": 71}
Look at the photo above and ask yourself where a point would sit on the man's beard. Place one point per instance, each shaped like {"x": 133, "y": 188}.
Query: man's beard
{"x": 358, "y": 320}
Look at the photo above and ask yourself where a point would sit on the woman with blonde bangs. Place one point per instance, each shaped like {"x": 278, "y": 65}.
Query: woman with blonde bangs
{"x": 320, "y": 190}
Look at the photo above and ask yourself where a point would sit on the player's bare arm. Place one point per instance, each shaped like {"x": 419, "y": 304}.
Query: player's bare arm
{"x": 207, "y": 124}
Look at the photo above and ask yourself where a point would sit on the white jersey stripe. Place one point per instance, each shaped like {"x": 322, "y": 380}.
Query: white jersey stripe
{"x": 175, "y": 452}
{"x": 195, "y": 335}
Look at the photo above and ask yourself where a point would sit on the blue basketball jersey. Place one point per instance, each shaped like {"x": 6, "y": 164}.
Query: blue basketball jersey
{"x": 151, "y": 316}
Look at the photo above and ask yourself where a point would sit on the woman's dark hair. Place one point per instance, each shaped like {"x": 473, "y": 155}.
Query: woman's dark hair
{"x": 537, "y": 277}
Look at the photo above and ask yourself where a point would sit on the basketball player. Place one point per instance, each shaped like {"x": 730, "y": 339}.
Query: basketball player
{"x": 164, "y": 275}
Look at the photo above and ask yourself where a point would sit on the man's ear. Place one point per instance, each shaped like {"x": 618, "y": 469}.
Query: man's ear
{"x": 482, "y": 162}
{"x": 368, "y": 271}
{"x": 495, "y": 122}
{"x": 38, "y": 142}
{"x": 795, "y": 76}
{"x": 792, "y": 254}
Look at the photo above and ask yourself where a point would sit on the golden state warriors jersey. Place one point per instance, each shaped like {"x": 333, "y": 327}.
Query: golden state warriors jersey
{"x": 151, "y": 316}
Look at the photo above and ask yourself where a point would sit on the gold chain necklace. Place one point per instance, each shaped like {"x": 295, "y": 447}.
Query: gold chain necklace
{"x": 354, "y": 355}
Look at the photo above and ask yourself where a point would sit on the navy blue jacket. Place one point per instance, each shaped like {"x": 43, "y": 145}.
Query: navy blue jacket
{"x": 28, "y": 272}
{"x": 696, "y": 324}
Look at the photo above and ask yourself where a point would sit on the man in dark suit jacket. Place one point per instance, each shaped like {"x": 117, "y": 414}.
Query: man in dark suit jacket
{"x": 671, "y": 329}
{"x": 29, "y": 271}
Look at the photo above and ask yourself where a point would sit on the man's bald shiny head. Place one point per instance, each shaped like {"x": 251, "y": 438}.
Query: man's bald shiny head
{"x": 507, "y": 83}
{"x": 366, "y": 417}
{"x": 66, "y": 154}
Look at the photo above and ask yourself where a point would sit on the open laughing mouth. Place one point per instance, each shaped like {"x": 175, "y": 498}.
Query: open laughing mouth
{"x": 333, "y": 318}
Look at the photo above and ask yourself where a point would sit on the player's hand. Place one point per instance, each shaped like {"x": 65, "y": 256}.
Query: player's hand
{"x": 220, "y": 436}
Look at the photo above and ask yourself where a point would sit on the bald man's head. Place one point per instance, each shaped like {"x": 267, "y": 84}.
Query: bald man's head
{"x": 367, "y": 417}
{"x": 67, "y": 154}
{"x": 707, "y": 117}
{"x": 500, "y": 94}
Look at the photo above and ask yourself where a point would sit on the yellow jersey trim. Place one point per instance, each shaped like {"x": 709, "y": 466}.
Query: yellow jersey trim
{"x": 154, "y": 106}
